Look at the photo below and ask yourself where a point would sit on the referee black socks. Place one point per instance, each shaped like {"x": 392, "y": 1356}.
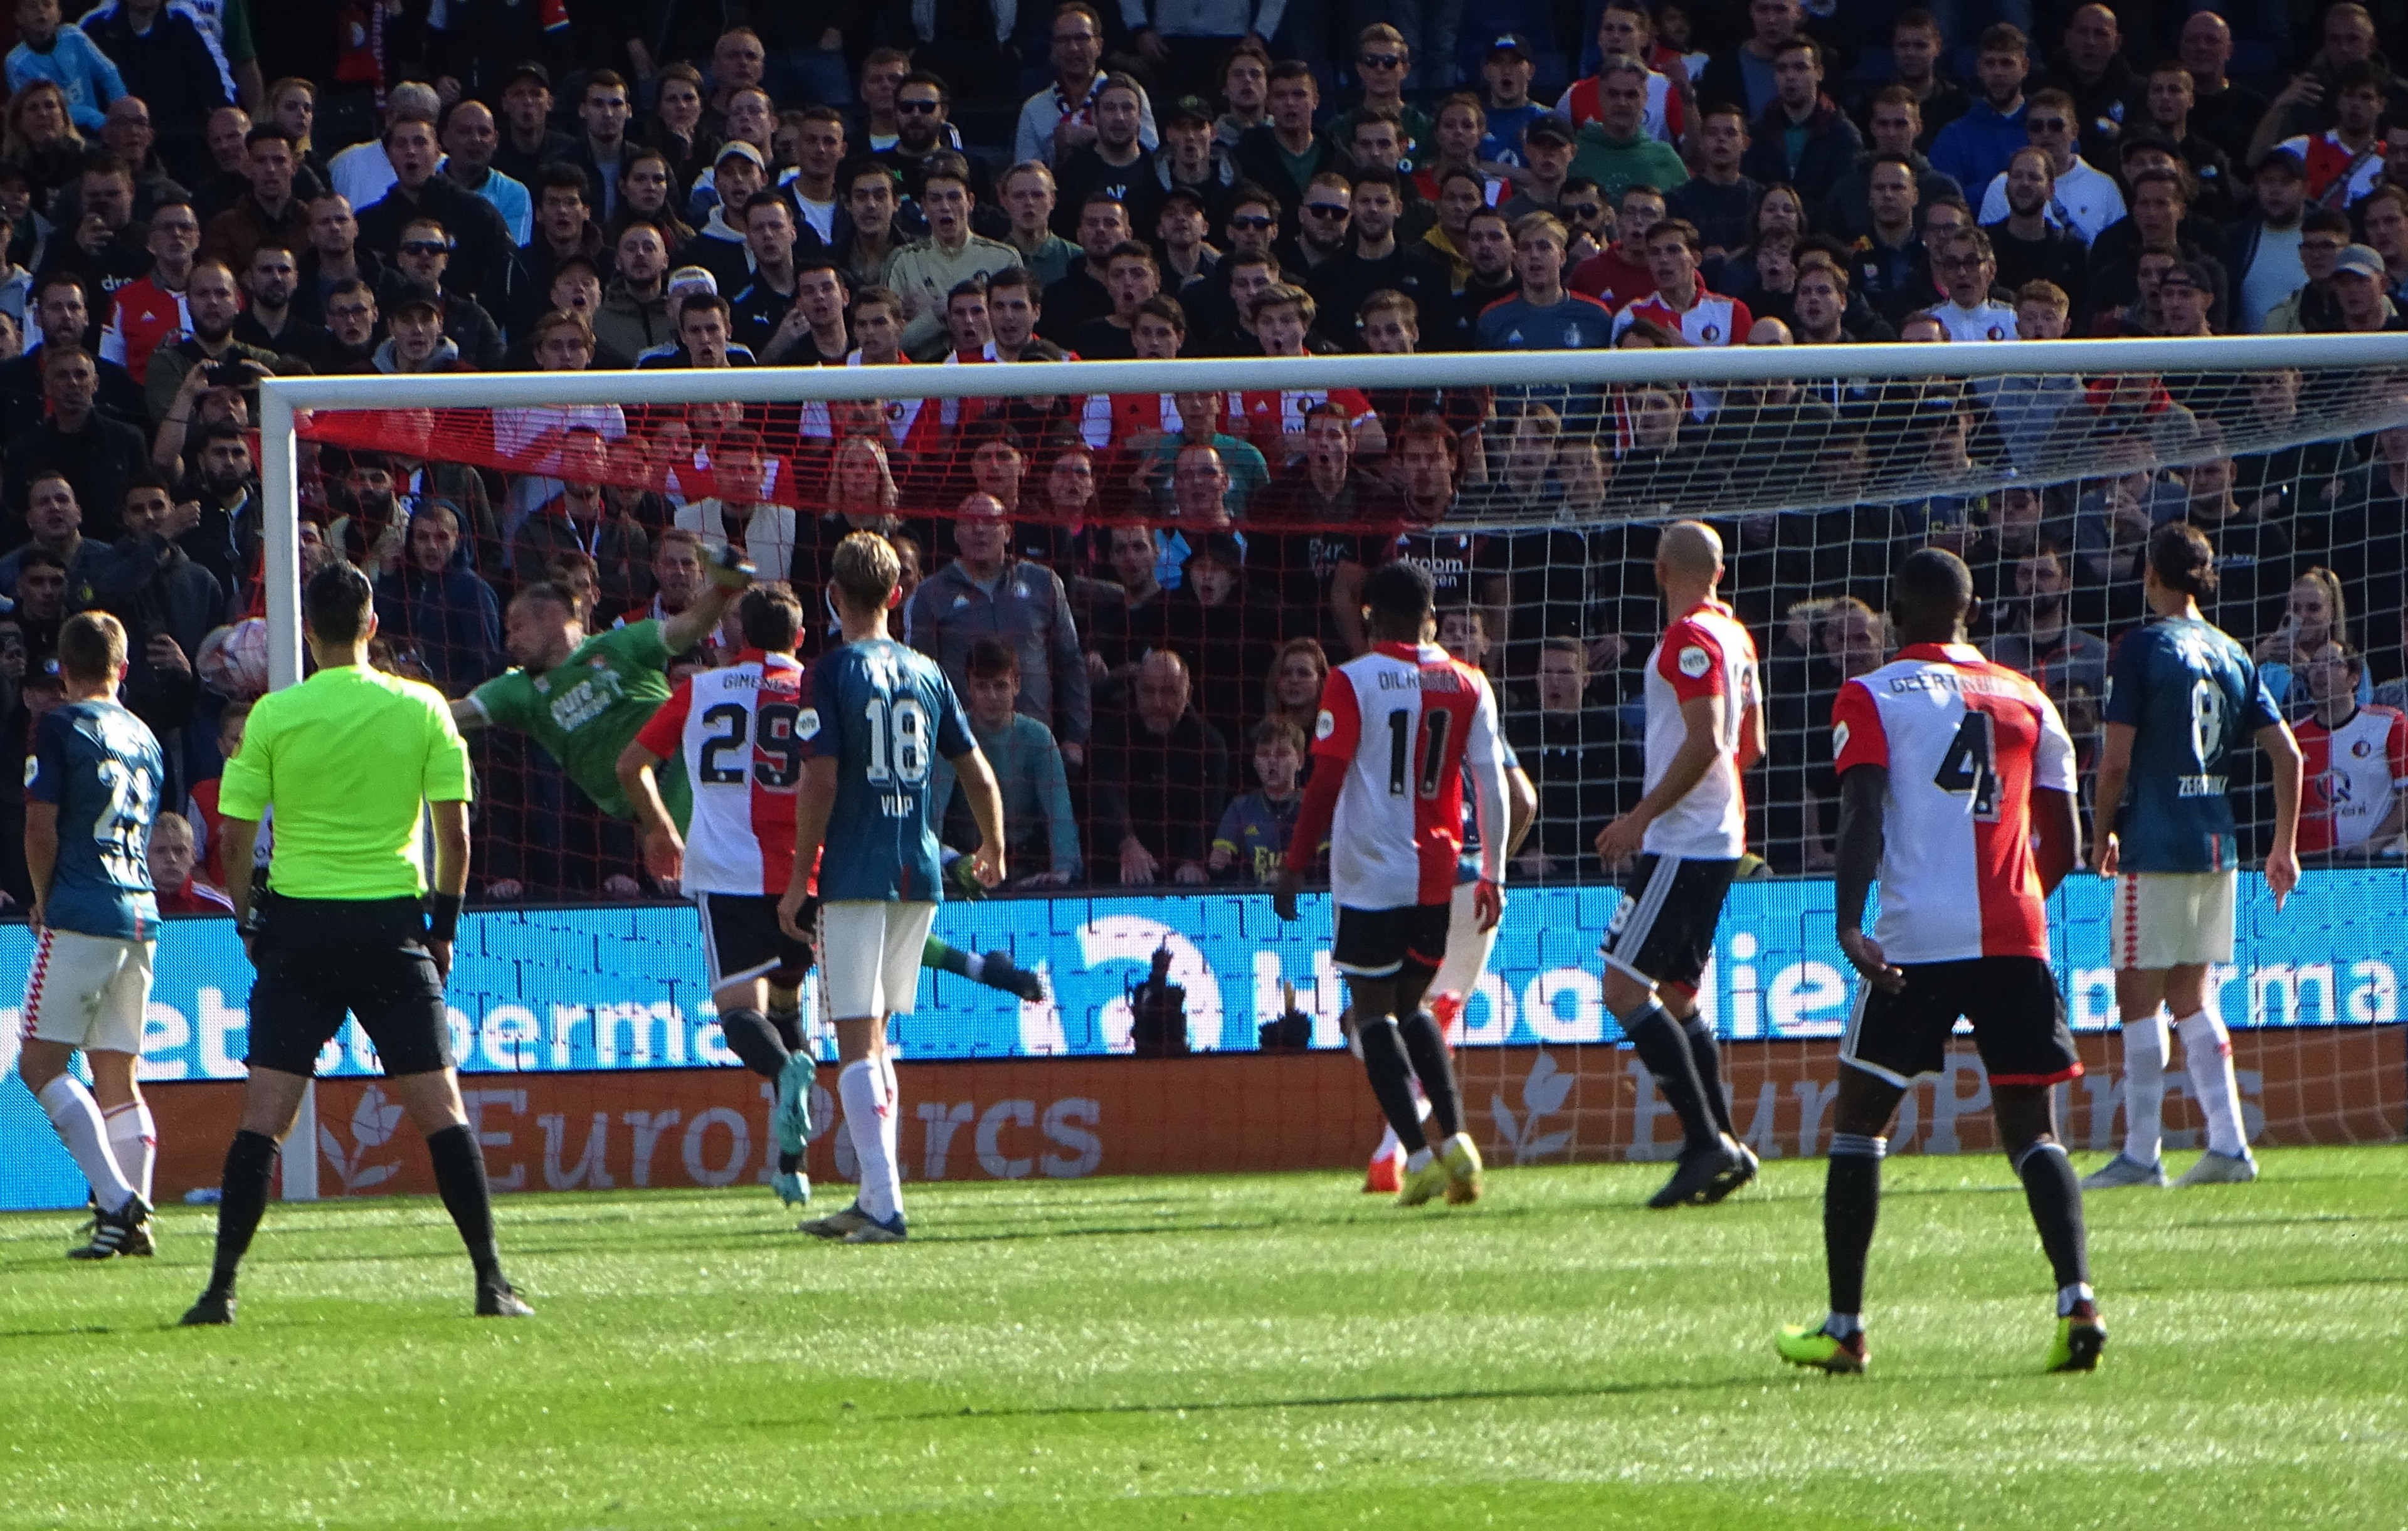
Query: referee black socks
{"x": 752, "y": 1037}
{"x": 1425, "y": 1045}
{"x": 459, "y": 1176}
{"x": 1664, "y": 1047}
{"x": 1391, "y": 1070}
{"x": 242, "y": 1199}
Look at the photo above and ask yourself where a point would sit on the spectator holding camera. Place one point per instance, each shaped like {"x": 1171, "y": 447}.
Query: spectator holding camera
{"x": 210, "y": 349}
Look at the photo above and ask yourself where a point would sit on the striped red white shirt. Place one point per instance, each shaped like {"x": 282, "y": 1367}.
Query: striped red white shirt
{"x": 2352, "y": 773}
{"x": 1965, "y": 742}
{"x": 734, "y": 728}
{"x": 1405, "y": 722}
{"x": 1704, "y": 653}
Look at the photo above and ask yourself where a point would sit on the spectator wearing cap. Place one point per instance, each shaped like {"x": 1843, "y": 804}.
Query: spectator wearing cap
{"x": 1189, "y": 259}
{"x": 529, "y": 141}
{"x": 1615, "y": 149}
{"x": 926, "y": 271}
{"x": 480, "y": 241}
{"x": 985, "y": 592}
{"x": 1548, "y": 158}
{"x": 424, "y": 260}
{"x": 718, "y": 246}
{"x": 1061, "y": 117}
{"x": 2263, "y": 249}
{"x": 2185, "y": 292}
{"x": 2361, "y": 304}
{"x": 1505, "y": 109}
{"x": 1192, "y": 160}
{"x": 417, "y": 342}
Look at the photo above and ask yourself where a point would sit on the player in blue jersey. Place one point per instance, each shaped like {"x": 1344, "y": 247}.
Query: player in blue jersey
{"x": 92, "y": 787}
{"x": 877, "y": 717}
{"x": 2181, "y": 696}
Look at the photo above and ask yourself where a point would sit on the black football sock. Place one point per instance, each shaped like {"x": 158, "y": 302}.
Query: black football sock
{"x": 1665, "y": 1050}
{"x": 1707, "y": 1055}
{"x": 1851, "y": 1202}
{"x": 242, "y": 1199}
{"x": 460, "y": 1176}
{"x": 1391, "y": 1069}
{"x": 950, "y": 959}
{"x": 2054, "y": 1197}
{"x": 1425, "y": 1045}
{"x": 752, "y": 1037}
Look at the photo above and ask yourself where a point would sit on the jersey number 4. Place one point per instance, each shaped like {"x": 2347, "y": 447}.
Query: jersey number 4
{"x": 1427, "y": 776}
{"x": 1968, "y": 765}
{"x": 777, "y": 761}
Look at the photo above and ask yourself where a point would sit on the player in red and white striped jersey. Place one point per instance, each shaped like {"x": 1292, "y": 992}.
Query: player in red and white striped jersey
{"x": 737, "y": 732}
{"x": 1398, "y": 729}
{"x": 2355, "y": 765}
{"x": 1949, "y": 767}
{"x": 1705, "y": 727}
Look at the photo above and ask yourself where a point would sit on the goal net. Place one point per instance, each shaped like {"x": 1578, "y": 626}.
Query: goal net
{"x": 1226, "y": 513}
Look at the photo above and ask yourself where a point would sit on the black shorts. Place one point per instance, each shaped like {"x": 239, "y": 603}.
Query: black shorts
{"x": 1376, "y": 943}
{"x": 742, "y": 939}
{"x": 1664, "y": 931}
{"x": 322, "y": 958}
{"x": 2017, "y": 1013}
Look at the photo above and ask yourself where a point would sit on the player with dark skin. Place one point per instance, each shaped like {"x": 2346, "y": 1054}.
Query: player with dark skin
{"x": 1399, "y": 992}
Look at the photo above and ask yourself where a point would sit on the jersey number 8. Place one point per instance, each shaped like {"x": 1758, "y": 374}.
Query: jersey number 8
{"x": 2206, "y": 720}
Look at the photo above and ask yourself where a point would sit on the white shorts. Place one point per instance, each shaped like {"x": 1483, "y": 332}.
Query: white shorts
{"x": 869, "y": 956}
{"x": 2171, "y": 920}
{"x": 88, "y": 992}
{"x": 1468, "y": 946}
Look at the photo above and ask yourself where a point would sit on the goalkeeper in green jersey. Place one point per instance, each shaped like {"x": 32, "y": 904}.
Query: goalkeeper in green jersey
{"x": 584, "y": 697}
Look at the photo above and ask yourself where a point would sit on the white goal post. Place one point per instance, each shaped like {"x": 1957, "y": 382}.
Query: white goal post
{"x": 284, "y": 403}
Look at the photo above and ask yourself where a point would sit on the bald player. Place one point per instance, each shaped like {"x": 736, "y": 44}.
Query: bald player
{"x": 1705, "y": 726}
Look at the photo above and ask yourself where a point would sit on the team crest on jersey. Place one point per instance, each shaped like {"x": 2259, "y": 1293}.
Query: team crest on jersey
{"x": 1712, "y": 335}
{"x": 1322, "y": 727}
{"x": 1997, "y": 333}
{"x": 960, "y": 601}
{"x": 2362, "y": 748}
{"x": 1695, "y": 661}
{"x": 807, "y": 724}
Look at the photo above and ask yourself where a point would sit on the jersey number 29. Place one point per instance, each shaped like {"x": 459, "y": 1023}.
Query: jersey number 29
{"x": 780, "y": 753}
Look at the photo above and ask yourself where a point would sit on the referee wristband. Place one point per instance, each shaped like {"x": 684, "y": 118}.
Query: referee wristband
{"x": 442, "y": 916}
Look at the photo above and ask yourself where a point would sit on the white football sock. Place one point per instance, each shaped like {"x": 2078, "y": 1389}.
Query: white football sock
{"x": 891, "y": 1129}
{"x": 76, "y": 1117}
{"x": 2145, "y": 1087}
{"x": 1420, "y": 1160}
{"x": 2207, "y": 1052}
{"x": 134, "y": 1142}
{"x": 859, "y": 1087}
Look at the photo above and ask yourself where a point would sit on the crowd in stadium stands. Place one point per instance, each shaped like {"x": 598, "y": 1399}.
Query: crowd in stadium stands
{"x": 1138, "y": 596}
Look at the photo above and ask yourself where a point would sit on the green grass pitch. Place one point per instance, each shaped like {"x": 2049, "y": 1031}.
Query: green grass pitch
{"x": 1269, "y": 1351}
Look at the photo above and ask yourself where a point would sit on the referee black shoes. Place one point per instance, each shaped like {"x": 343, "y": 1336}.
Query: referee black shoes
{"x": 216, "y": 1305}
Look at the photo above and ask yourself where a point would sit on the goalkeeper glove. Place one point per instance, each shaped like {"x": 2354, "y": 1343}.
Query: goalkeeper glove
{"x": 730, "y": 567}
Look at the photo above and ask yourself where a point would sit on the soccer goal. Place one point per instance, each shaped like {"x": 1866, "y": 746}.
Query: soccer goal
{"x": 1532, "y": 486}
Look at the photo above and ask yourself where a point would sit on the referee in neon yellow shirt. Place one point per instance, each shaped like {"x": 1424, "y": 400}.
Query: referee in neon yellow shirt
{"x": 351, "y": 760}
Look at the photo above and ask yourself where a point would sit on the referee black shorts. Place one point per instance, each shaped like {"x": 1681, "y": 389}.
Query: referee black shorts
{"x": 321, "y": 959}
{"x": 2017, "y": 1013}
